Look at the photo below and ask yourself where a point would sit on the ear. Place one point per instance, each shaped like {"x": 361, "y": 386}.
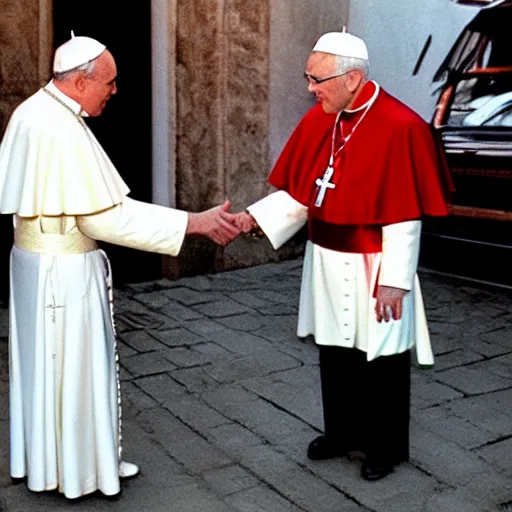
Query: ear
{"x": 80, "y": 82}
{"x": 354, "y": 80}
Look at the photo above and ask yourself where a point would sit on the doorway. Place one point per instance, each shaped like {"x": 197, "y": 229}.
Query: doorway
{"x": 124, "y": 129}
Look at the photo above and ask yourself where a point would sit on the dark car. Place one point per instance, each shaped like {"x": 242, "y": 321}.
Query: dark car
{"x": 473, "y": 118}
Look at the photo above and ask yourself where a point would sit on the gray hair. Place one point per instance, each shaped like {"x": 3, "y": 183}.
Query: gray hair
{"x": 345, "y": 64}
{"x": 87, "y": 68}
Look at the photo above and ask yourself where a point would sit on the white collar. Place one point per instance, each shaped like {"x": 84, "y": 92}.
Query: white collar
{"x": 369, "y": 102}
{"x": 73, "y": 105}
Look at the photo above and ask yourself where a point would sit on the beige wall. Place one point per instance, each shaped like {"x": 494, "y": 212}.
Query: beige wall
{"x": 294, "y": 28}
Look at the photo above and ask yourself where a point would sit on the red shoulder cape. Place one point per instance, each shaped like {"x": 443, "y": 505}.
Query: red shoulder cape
{"x": 392, "y": 169}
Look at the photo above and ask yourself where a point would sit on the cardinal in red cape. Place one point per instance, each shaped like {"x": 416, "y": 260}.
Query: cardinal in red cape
{"x": 361, "y": 169}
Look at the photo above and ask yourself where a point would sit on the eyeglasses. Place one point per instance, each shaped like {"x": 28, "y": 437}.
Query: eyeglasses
{"x": 314, "y": 80}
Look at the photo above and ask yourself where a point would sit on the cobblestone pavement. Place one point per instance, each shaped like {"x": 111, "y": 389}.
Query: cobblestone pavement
{"x": 220, "y": 400}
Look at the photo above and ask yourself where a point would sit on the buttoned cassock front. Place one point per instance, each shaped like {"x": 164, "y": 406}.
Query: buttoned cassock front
{"x": 337, "y": 303}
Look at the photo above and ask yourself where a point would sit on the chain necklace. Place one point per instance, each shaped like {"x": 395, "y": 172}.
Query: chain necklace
{"x": 324, "y": 184}
{"x": 78, "y": 117}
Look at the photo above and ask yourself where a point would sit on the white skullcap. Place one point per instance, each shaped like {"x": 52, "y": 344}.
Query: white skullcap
{"x": 343, "y": 44}
{"x": 75, "y": 52}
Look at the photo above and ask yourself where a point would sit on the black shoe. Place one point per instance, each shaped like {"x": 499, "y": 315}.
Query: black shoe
{"x": 375, "y": 470}
{"x": 18, "y": 481}
{"x": 320, "y": 448}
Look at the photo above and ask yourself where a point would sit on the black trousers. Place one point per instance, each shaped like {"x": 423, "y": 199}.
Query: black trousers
{"x": 366, "y": 404}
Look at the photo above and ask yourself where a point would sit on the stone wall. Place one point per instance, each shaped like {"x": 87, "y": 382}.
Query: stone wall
{"x": 25, "y": 37}
{"x": 222, "y": 113}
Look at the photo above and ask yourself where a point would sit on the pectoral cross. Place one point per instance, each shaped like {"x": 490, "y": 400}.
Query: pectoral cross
{"x": 323, "y": 184}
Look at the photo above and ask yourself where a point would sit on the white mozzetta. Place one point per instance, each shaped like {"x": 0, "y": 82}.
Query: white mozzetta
{"x": 52, "y": 164}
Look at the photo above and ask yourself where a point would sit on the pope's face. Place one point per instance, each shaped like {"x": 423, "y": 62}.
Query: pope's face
{"x": 100, "y": 85}
{"x": 333, "y": 93}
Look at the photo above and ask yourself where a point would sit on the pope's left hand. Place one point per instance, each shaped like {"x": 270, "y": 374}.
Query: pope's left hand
{"x": 389, "y": 303}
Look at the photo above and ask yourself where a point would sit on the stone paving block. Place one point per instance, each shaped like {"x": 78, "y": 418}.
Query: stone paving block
{"x": 456, "y": 358}
{"x": 222, "y": 307}
{"x": 495, "y": 487}
{"x": 206, "y": 327}
{"x": 299, "y": 394}
{"x": 124, "y": 350}
{"x": 153, "y": 300}
{"x": 177, "y": 337}
{"x": 150, "y": 363}
{"x": 228, "y": 398}
{"x": 455, "y": 500}
{"x": 186, "y": 357}
{"x": 278, "y": 310}
{"x": 124, "y": 303}
{"x": 232, "y": 438}
{"x": 148, "y": 320}
{"x": 124, "y": 375}
{"x": 248, "y": 299}
{"x": 501, "y": 367}
{"x": 261, "y": 498}
{"x": 186, "y": 498}
{"x": 189, "y": 297}
{"x": 498, "y": 453}
{"x": 195, "y": 413}
{"x": 133, "y": 396}
{"x": 344, "y": 474}
{"x": 161, "y": 388}
{"x": 453, "y": 428}
{"x": 445, "y": 460}
{"x": 246, "y": 322}
{"x": 473, "y": 380}
{"x": 241, "y": 342}
{"x": 230, "y": 479}
{"x": 179, "y": 312}
{"x": 486, "y": 348}
{"x": 141, "y": 341}
{"x": 491, "y": 411}
{"x": 432, "y": 393}
{"x": 280, "y": 329}
{"x": 501, "y": 337}
{"x": 213, "y": 350}
{"x": 303, "y": 349}
{"x": 181, "y": 442}
{"x": 261, "y": 363}
{"x": 295, "y": 483}
{"x": 265, "y": 420}
{"x": 272, "y": 296}
{"x": 195, "y": 380}
{"x": 158, "y": 468}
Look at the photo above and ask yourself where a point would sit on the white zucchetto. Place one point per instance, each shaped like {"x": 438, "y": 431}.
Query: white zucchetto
{"x": 75, "y": 52}
{"x": 342, "y": 44}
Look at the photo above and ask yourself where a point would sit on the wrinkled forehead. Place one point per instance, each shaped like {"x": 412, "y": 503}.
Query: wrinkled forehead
{"x": 106, "y": 66}
{"x": 320, "y": 62}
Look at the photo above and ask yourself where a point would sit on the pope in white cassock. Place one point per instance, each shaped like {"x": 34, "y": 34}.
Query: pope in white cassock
{"x": 64, "y": 194}
{"x": 361, "y": 169}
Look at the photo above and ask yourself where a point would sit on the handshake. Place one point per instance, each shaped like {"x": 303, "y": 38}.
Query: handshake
{"x": 219, "y": 224}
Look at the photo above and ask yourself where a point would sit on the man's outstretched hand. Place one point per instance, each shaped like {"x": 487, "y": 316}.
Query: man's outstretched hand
{"x": 244, "y": 222}
{"x": 217, "y": 223}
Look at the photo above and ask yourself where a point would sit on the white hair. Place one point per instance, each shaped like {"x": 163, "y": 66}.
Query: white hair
{"x": 87, "y": 68}
{"x": 345, "y": 64}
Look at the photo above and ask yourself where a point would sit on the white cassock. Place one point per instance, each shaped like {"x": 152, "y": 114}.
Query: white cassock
{"x": 336, "y": 300}
{"x": 64, "y": 194}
